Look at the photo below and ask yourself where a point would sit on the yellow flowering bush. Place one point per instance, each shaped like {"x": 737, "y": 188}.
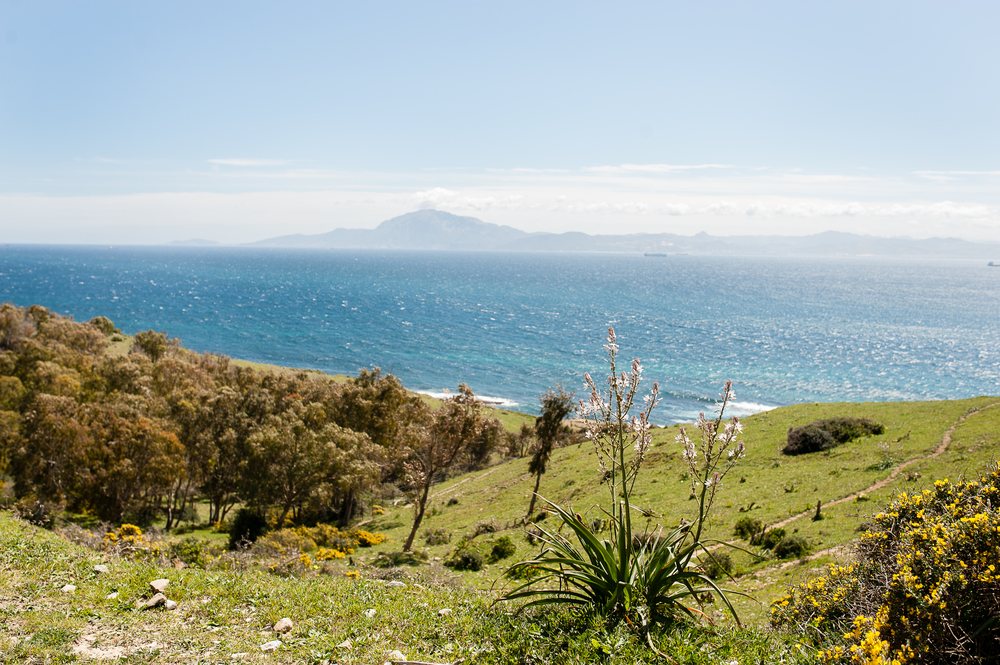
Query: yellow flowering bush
{"x": 926, "y": 587}
{"x": 129, "y": 541}
{"x": 327, "y": 541}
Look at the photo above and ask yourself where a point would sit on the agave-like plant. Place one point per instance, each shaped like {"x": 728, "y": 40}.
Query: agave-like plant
{"x": 649, "y": 577}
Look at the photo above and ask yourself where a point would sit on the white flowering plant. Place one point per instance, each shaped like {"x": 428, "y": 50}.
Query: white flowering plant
{"x": 644, "y": 577}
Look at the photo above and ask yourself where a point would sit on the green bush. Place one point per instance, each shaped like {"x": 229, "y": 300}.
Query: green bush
{"x": 791, "y": 546}
{"x": 747, "y": 528}
{"x": 770, "y": 539}
{"x": 465, "y": 558}
{"x": 395, "y": 559}
{"x": 828, "y": 433}
{"x": 437, "y": 537}
{"x": 248, "y": 525}
{"x": 502, "y": 548}
{"x": 192, "y": 551}
{"x": 717, "y": 565}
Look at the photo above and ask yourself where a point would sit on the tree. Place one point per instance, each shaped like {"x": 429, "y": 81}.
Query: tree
{"x": 549, "y": 428}
{"x": 295, "y": 459}
{"x": 451, "y": 428}
{"x": 392, "y": 417}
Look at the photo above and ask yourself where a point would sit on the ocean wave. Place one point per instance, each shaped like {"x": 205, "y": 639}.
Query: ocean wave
{"x": 485, "y": 399}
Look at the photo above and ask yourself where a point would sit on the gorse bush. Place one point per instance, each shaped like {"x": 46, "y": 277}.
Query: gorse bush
{"x": 645, "y": 580}
{"x": 925, "y": 587}
{"x": 747, "y": 528}
{"x": 502, "y": 548}
{"x": 828, "y": 433}
{"x": 791, "y": 546}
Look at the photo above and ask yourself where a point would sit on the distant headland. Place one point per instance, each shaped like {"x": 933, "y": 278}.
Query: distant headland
{"x": 439, "y": 230}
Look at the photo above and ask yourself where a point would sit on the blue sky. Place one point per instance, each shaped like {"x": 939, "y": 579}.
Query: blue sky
{"x": 154, "y": 121}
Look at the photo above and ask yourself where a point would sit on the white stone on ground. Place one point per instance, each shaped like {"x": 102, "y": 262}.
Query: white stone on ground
{"x": 170, "y": 605}
{"x": 284, "y": 625}
{"x": 396, "y": 655}
{"x": 160, "y": 585}
{"x": 156, "y": 601}
{"x": 395, "y": 584}
{"x": 270, "y": 646}
{"x": 346, "y": 644}
{"x": 111, "y": 596}
{"x": 445, "y": 612}
{"x": 370, "y": 613}
{"x": 69, "y": 588}
{"x": 100, "y": 568}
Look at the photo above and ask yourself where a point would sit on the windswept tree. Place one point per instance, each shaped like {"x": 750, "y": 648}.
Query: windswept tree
{"x": 377, "y": 405}
{"x": 549, "y": 429}
{"x": 451, "y": 429}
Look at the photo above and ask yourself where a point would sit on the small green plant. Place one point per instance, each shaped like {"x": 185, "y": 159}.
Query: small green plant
{"x": 770, "y": 539}
{"x": 192, "y": 551}
{"x": 747, "y": 528}
{"x": 437, "y": 536}
{"x": 503, "y": 547}
{"x": 648, "y": 579}
{"x": 791, "y": 546}
{"x": 465, "y": 558}
{"x": 717, "y": 565}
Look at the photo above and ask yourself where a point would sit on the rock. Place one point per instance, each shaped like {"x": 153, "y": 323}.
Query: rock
{"x": 270, "y": 646}
{"x": 111, "y": 596}
{"x": 159, "y": 586}
{"x": 100, "y": 569}
{"x": 396, "y": 655}
{"x": 170, "y": 605}
{"x": 370, "y": 613}
{"x": 156, "y": 601}
{"x": 284, "y": 625}
{"x": 395, "y": 584}
{"x": 239, "y": 656}
{"x": 69, "y": 588}
{"x": 346, "y": 644}
{"x": 444, "y": 612}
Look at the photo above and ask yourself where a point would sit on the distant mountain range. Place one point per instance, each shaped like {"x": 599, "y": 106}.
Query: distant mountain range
{"x": 435, "y": 229}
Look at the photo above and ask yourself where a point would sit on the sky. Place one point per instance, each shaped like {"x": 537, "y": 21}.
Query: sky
{"x": 149, "y": 122}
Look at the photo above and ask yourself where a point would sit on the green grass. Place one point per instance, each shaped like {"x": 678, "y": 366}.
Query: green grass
{"x": 41, "y": 623}
{"x": 226, "y": 612}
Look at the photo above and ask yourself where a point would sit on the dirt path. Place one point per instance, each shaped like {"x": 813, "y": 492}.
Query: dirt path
{"x": 941, "y": 448}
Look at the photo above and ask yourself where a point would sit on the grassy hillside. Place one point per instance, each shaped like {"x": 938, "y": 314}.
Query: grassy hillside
{"x": 228, "y": 609}
{"x": 768, "y": 485}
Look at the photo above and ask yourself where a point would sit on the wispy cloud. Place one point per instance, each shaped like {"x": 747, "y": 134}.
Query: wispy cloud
{"x": 950, "y": 176}
{"x": 248, "y": 162}
{"x": 655, "y": 168}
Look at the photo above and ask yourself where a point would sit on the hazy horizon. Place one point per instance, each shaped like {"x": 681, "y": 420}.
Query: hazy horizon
{"x": 126, "y": 123}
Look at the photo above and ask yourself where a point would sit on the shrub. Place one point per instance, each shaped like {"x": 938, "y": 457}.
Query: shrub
{"x": 437, "y": 537}
{"x": 717, "y": 565}
{"x": 192, "y": 551}
{"x": 465, "y": 558}
{"x": 248, "y": 525}
{"x": 105, "y": 325}
{"x": 747, "y": 528}
{"x": 395, "y": 559}
{"x": 486, "y": 526}
{"x": 770, "y": 539}
{"x": 925, "y": 587}
{"x": 502, "y": 548}
{"x": 828, "y": 433}
{"x": 791, "y": 546}
{"x": 366, "y": 538}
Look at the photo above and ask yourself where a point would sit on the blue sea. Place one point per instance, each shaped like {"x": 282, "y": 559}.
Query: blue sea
{"x": 785, "y": 330}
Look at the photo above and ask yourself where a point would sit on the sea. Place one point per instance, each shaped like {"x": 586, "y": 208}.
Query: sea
{"x": 785, "y": 330}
